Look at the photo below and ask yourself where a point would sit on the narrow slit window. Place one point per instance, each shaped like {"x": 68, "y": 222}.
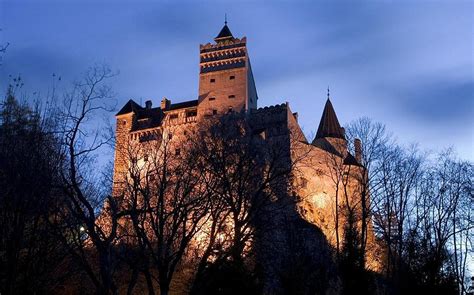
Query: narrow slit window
{"x": 212, "y": 98}
{"x": 231, "y": 96}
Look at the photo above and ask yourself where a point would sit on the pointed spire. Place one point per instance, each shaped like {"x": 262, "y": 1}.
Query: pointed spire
{"x": 329, "y": 125}
{"x": 225, "y": 33}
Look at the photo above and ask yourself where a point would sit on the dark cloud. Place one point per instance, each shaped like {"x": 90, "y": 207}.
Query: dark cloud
{"x": 440, "y": 100}
{"x": 36, "y": 66}
{"x": 397, "y": 62}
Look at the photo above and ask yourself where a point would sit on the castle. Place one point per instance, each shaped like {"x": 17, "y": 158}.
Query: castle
{"x": 226, "y": 84}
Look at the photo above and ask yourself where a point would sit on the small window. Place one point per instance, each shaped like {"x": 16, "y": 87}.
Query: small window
{"x": 213, "y": 80}
{"x": 231, "y": 96}
{"x": 214, "y": 112}
{"x": 170, "y": 136}
{"x": 177, "y": 152}
{"x": 230, "y": 110}
{"x": 124, "y": 122}
{"x": 212, "y": 98}
{"x": 231, "y": 77}
{"x": 191, "y": 113}
{"x": 174, "y": 116}
{"x": 145, "y": 158}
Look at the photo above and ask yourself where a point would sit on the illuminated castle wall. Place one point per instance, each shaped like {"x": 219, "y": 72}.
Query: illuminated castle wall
{"x": 226, "y": 84}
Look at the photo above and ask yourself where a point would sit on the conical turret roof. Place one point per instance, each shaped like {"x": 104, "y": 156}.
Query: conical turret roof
{"x": 329, "y": 125}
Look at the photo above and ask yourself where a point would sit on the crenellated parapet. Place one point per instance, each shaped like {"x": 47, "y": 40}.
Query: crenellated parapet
{"x": 226, "y": 54}
{"x": 223, "y": 45}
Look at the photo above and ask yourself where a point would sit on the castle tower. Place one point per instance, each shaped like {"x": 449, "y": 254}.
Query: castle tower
{"x": 125, "y": 121}
{"x": 330, "y": 135}
{"x": 225, "y": 79}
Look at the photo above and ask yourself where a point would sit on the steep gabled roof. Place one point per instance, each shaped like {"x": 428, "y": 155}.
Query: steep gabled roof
{"x": 224, "y": 34}
{"x": 329, "y": 125}
{"x": 351, "y": 160}
{"x": 130, "y": 106}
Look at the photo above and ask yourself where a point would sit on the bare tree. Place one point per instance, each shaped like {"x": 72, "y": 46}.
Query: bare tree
{"x": 3, "y": 49}
{"x": 373, "y": 139}
{"x": 166, "y": 204}
{"x": 401, "y": 172}
{"x": 445, "y": 218}
{"x": 82, "y": 136}
{"x": 416, "y": 210}
{"x": 248, "y": 172}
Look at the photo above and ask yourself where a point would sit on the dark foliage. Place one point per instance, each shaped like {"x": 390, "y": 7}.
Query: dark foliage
{"x": 226, "y": 277}
{"x": 29, "y": 253}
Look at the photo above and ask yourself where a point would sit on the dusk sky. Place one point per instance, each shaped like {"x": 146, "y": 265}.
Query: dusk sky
{"x": 407, "y": 64}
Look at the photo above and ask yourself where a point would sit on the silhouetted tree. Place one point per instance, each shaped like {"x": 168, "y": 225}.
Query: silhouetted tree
{"x": 249, "y": 175}
{"x": 166, "y": 203}
{"x": 90, "y": 243}
{"x": 29, "y": 179}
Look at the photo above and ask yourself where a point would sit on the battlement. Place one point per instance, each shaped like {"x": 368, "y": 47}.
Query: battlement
{"x": 272, "y": 108}
{"x": 223, "y": 45}
{"x": 226, "y": 54}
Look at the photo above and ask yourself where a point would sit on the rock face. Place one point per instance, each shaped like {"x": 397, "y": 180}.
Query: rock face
{"x": 306, "y": 231}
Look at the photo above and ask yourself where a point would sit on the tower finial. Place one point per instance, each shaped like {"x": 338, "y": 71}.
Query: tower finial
{"x": 225, "y": 19}
{"x": 328, "y": 91}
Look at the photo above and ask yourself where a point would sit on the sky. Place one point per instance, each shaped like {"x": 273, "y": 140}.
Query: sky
{"x": 407, "y": 64}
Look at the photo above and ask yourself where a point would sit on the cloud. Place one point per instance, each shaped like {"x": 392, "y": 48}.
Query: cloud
{"x": 401, "y": 63}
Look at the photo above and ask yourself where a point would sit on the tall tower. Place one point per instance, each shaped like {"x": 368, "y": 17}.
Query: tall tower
{"x": 225, "y": 78}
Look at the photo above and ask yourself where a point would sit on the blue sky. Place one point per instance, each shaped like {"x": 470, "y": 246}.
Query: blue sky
{"x": 407, "y": 64}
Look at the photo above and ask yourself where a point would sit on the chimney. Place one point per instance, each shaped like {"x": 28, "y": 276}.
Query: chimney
{"x": 148, "y": 104}
{"x": 358, "y": 150}
{"x": 165, "y": 103}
